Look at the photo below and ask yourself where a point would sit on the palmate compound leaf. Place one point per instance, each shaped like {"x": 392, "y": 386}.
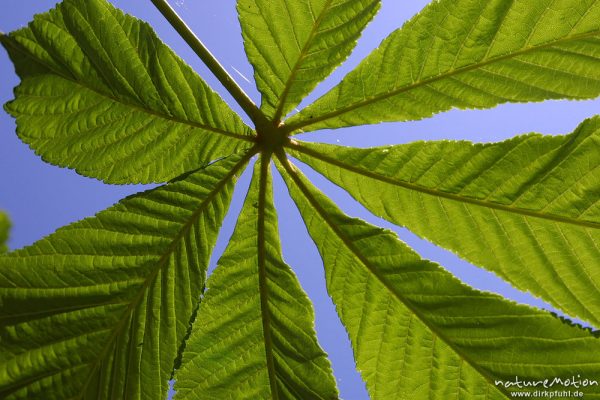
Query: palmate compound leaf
{"x": 98, "y": 309}
{"x": 101, "y": 94}
{"x": 4, "y": 231}
{"x": 108, "y": 324}
{"x": 469, "y": 54}
{"x": 417, "y": 331}
{"x": 293, "y": 45}
{"x": 254, "y": 337}
{"x": 527, "y": 209}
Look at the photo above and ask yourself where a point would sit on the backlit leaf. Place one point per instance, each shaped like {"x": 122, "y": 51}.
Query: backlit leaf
{"x": 469, "y": 54}
{"x": 293, "y": 45}
{"x": 115, "y": 307}
{"x": 527, "y": 208}
{"x": 254, "y": 338}
{"x": 418, "y": 332}
{"x": 98, "y": 309}
{"x": 101, "y": 94}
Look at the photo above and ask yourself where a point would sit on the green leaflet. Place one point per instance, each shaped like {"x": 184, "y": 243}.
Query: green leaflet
{"x": 469, "y": 54}
{"x": 101, "y": 94}
{"x": 4, "y": 231}
{"x": 293, "y": 45}
{"x": 527, "y": 208}
{"x": 254, "y": 338}
{"x": 108, "y": 308}
{"x": 418, "y": 332}
{"x": 98, "y": 309}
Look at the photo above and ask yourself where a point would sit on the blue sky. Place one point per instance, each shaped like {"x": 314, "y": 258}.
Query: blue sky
{"x": 40, "y": 198}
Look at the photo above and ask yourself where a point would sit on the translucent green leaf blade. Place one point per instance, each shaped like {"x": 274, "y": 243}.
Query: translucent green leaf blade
{"x": 527, "y": 209}
{"x": 4, "y": 231}
{"x": 469, "y": 54}
{"x": 98, "y": 309}
{"x": 101, "y": 94}
{"x": 293, "y": 45}
{"x": 419, "y": 333}
{"x": 254, "y": 335}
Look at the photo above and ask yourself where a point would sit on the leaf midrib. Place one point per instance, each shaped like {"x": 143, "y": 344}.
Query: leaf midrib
{"x": 438, "y": 193}
{"x": 16, "y": 46}
{"x": 288, "y": 166}
{"x": 262, "y": 275}
{"x": 291, "y": 79}
{"x": 308, "y": 122}
{"x": 161, "y": 263}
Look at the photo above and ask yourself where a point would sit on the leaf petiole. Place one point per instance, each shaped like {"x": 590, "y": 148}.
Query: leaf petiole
{"x": 210, "y": 61}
